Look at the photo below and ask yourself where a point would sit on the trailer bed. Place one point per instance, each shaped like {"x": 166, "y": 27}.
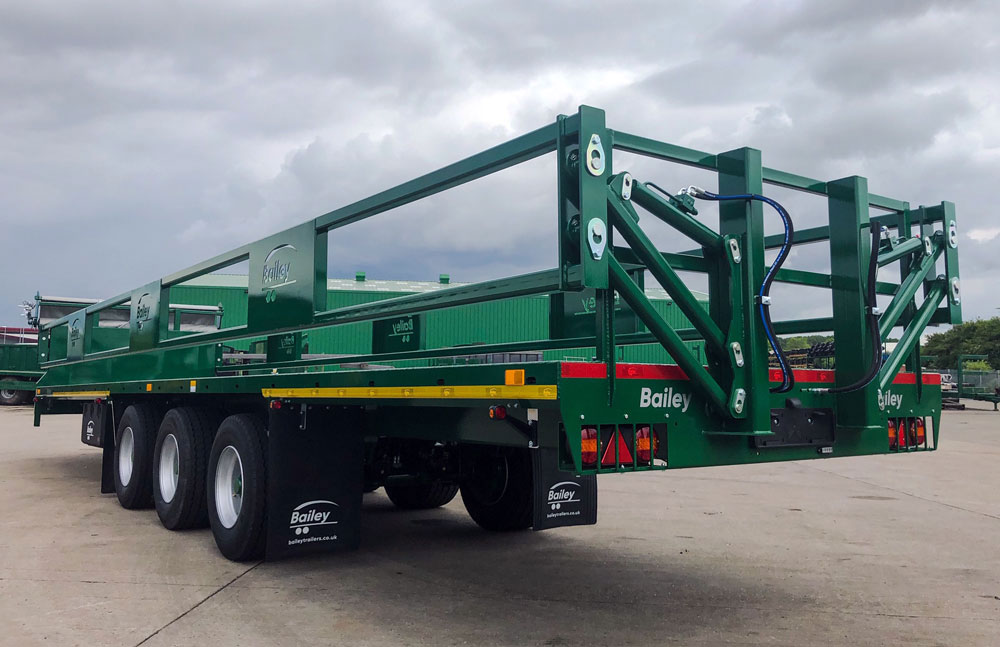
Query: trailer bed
{"x": 414, "y": 401}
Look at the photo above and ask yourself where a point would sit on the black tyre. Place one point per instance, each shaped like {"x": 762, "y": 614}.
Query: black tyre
{"x": 422, "y": 494}
{"x": 134, "y": 442}
{"x": 180, "y": 462}
{"x": 237, "y": 487}
{"x": 12, "y": 396}
{"x": 9, "y": 396}
{"x": 497, "y": 487}
{"x": 26, "y": 397}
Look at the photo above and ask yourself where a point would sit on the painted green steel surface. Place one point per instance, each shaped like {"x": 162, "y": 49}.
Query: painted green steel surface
{"x": 626, "y": 222}
{"x": 8, "y": 383}
{"x": 666, "y": 335}
{"x": 19, "y": 359}
{"x": 688, "y": 428}
{"x": 733, "y": 299}
{"x": 850, "y": 249}
{"x": 728, "y": 385}
{"x": 493, "y": 322}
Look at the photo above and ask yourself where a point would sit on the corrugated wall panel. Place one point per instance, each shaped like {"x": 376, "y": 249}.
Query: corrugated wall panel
{"x": 232, "y": 300}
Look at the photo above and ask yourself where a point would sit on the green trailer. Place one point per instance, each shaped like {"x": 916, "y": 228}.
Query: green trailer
{"x": 970, "y": 391}
{"x": 19, "y": 362}
{"x": 274, "y": 451}
{"x": 508, "y": 320}
{"x": 18, "y": 372}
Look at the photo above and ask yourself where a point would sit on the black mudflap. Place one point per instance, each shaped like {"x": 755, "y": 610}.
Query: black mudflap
{"x": 98, "y": 430}
{"x": 96, "y": 419}
{"x": 561, "y": 498}
{"x": 315, "y": 461}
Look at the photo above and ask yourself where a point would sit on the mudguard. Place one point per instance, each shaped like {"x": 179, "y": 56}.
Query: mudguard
{"x": 315, "y": 461}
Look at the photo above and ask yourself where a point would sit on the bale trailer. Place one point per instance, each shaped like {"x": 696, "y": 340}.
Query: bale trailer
{"x": 19, "y": 361}
{"x": 18, "y": 367}
{"x": 276, "y": 453}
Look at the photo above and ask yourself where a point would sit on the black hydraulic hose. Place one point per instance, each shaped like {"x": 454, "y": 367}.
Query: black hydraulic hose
{"x": 763, "y": 295}
{"x": 873, "y": 328}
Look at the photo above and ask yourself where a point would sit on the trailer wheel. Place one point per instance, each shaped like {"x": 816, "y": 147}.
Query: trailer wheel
{"x": 134, "y": 442}
{"x": 497, "y": 487}
{"x": 237, "y": 487}
{"x": 25, "y": 397}
{"x": 421, "y": 495}
{"x": 13, "y": 396}
{"x": 180, "y": 459}
{"x": 9, "y": 396}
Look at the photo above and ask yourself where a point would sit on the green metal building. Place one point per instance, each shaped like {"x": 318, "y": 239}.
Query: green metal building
{"x": 509, "y": 320}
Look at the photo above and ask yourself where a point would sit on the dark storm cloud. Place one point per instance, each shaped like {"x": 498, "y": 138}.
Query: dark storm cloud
{"x": 137, "y": 140}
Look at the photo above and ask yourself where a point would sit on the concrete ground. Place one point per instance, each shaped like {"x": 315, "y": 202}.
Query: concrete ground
{"x": 887, "y": 550}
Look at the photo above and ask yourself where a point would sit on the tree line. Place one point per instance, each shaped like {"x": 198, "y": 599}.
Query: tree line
{"x": 979, "y": 337}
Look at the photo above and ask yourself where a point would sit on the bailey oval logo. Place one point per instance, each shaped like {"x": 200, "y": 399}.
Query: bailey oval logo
{"x": 563, "y": 500}
{"x": 74, "y": 331}
{"x": 563, "y": 493}
{"x": 311, "y": 514}
{"x": 142, "y": 310}
{"x": 277, "y": 268}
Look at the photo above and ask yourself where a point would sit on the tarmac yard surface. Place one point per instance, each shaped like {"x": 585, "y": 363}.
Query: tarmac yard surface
{"x": 887, "y": 550}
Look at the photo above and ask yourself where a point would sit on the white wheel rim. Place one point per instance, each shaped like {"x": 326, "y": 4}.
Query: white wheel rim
{"x": 126, "y": 456}
{"x": 169, "y": 468}
{"x": 229, "y": 486}
{"x": 8, "y": 393}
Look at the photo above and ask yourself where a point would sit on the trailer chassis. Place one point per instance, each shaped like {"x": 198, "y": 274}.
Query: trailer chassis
{"x": 300, "y": 439}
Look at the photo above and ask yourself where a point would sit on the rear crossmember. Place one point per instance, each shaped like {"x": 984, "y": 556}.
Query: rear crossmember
{"x": 524, "y": 441}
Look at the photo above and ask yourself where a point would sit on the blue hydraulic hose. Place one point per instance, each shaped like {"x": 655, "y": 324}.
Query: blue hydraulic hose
{"x": 787, "y": 376}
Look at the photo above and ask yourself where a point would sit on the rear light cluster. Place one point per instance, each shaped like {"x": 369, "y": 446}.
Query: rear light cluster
{"x": 906, "y": 433}
{"x": 624, "y": 445}
{"x": 588, "y": 446}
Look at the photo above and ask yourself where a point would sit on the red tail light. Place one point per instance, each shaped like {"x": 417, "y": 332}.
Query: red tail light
{"x": 643, "y": 445}
{"x": 588, "y": 446}
{"x": 905, "y": 433}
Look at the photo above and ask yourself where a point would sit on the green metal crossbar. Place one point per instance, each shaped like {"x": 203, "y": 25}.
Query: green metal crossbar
{"x": 596, "y": 205}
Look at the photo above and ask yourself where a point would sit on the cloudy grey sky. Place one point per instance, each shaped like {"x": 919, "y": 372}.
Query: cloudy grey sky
{"x": 139, "y": 138}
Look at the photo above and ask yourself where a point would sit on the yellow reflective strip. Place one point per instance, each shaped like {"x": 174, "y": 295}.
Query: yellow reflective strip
{"x": 487, "y": 392}
{"x": 80, "y": 394}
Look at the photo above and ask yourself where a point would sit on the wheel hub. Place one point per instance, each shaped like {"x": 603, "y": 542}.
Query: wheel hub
{"x": 490, "y": 476}
{"x": 126, "y": 456}
{"x": 229, "y": 486}
{"x": 169, "y": 468}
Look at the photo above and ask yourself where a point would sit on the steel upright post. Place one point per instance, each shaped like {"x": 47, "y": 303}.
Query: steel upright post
{"x": 850, "y": 249}
{"x": 740, "y": 171}
{"x": 595, "y": 234}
